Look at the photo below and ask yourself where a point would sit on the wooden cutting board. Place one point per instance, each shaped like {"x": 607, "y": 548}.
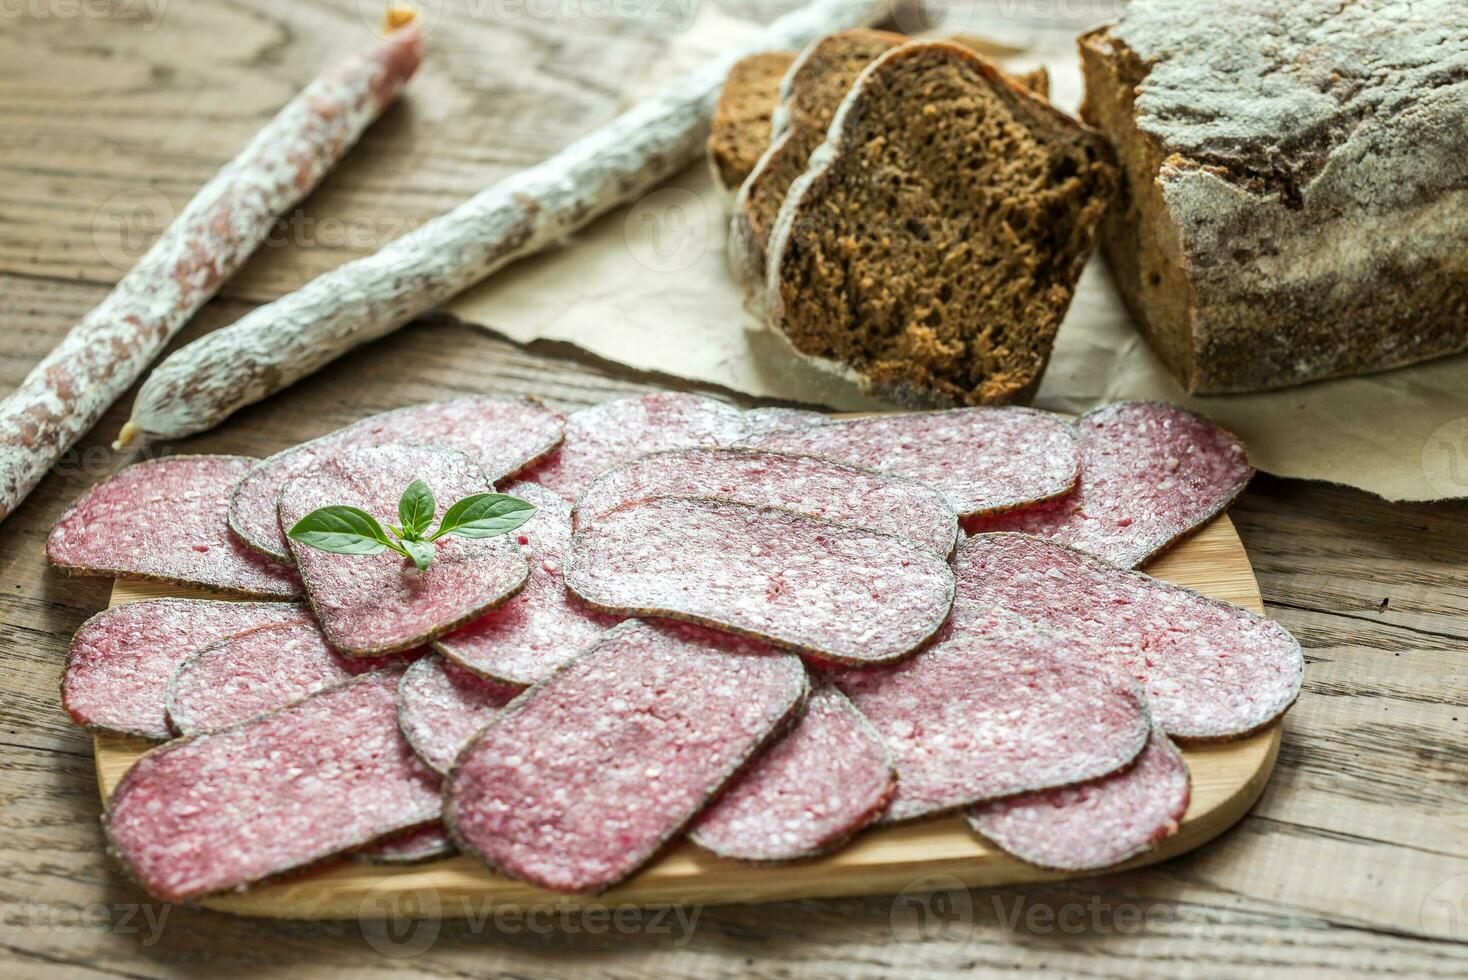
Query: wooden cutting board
{"x": 936, "y": 853}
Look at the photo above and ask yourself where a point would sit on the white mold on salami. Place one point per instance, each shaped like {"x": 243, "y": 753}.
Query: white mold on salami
{"x": 165, "y": 520}
{"x": 275, "y": 794}
{"x": 543, "y": 626}
{"x": 1211, "y": 670}
{"x": 117, "y": 672}
{"x": 417, "y": 846}
{"x": 441, "y": 707}
{"x": 370, "y": 605}
{"x": 984, "y": 460}
{"x": 810, "y": 485}
{"x": 221, "y": 226}
{"x": 1150, "y": 473}
{"x": 1097, "y": 824}
{"x": 587, "y": 775}
{"x": 992, "y": 709}
{"x": 258, "y": 671}
{"x": 824, "y": 780}
{"x": 600, "y": 437}
{"x": 840, "y": 593}
{"x": 504, "y": 435}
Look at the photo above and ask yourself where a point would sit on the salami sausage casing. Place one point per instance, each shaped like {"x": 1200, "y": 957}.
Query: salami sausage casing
{"x": 441, "y": 707}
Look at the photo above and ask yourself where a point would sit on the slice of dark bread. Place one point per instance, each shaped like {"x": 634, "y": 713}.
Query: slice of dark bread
{"x": 931, "y": 249}
{"x": 740, "y": 133}
{"x": 812, "y": 92}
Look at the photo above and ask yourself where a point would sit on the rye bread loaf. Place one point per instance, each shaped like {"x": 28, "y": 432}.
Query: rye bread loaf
{"x": 811, "y": 93}
{"x": 1296, "y": 183}
{"x": 932, "y": 247}
{"x": 740, "y": 132}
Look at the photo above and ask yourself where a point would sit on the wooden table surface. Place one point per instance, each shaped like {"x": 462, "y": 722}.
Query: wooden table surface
{"x": 1355, "y": 860}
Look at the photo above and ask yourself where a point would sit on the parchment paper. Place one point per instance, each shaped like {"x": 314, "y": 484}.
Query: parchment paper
{"x": 647, "y": 286}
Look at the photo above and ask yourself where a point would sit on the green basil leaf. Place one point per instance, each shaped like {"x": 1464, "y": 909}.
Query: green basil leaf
{"x": 422, "y": 552}
{"x": 416, "y": 509}
{"x": 341, "y": 530}
{"x": 484, "y": 515}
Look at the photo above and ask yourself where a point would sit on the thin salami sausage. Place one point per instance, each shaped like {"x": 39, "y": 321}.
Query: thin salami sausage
{"x": 826, "y": 779}
{"x": 164, "y": 520}
{"x": 837, "y": 592}
{"x": 984, "y": 460}
{"x": 1150, "y": 474}
{"x": 1097, "y": 824}
{"x": 584, "y": 777}
{"x": 116, "y": 677}
{"x": 275, "y": 794}
{"x": 503, "y": 434}
{"x": 226, "y": 221}
{"x": 369, "y": 605}
{"x": 543, "y": 626}
{"x": 204, "y": 383}
{"x": 441, "y": 707}
{"x": 1211, "y": 670}
{"x": 810, "y": 485}
{"x": 259, "y": 671}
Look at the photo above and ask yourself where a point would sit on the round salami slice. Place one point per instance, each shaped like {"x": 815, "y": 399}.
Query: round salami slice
{"x": 370, "y": 605}
{"x": 427, "y": 843}
{"x": 984, "y": 460}
{"x": 1211, "y": 670}
{"x": 1097, "y": 824}
{"x": 810, "y": 485}
{"x": 277, "y": 793}
{"x": 992, "y": 709}
{"x": 600, "y": 437}
{"x": 585, "y": 776}
{"x": 504, "y": 435}
{"x": 164, "y": 520}
{"x": 760, "y": 420}
{"x": 543, "y": 626}
{"x": 116, "y": 677}
{"x": 837, "y": 592}
{"x": 441, "y": 707}
{"x": 1150, "y": 473}
{"x": 259, "y": 671}
{"x": 826, "y": 779}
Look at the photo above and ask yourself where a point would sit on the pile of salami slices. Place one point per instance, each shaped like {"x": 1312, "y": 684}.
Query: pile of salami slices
{"x": 764, "y": 630}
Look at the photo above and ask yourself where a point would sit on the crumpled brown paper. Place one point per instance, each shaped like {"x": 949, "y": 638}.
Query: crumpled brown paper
{"x": 647, "y": 286}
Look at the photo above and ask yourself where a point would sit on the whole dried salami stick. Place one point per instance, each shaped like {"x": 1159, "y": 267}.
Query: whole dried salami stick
{"x": 211, "y": 238}
{"x": 276, "y": 345}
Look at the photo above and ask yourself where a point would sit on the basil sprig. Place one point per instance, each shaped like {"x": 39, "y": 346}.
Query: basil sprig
{"x": 344, "y": 530}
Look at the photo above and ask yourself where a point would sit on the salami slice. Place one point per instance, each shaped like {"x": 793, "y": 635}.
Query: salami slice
{"x": 761, "y": 420}
{"x": 1093, "y": 825}
{"x": 427, "y": 843}
{"x": 604, "y": 435}
{"x": 441, "y": 707}
{"x": 809, "y": 485}
{"x": 164, "y": 520}
{"x": 1211, "y": 670}
{"x": 503, "y": 434}
{"x": 278, "y": 793}
{"x": 991, "y": 709}
{"x": 1150, "y": 474}
{"x": 543, "y": 626}
{"x": 840, "y": 593}
{"x": 259, "y": 671}
{"x": 829, "y": 777}
{"x": 584, "y": 777}
{"x": 984, "y": 460}
{"x": 370, "y": 605}
{"x": 116, "y": 677}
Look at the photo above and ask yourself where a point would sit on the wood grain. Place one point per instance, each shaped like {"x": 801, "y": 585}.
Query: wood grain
{"x": 1337, "y": 871}
{"x": 1226, "y": 779}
